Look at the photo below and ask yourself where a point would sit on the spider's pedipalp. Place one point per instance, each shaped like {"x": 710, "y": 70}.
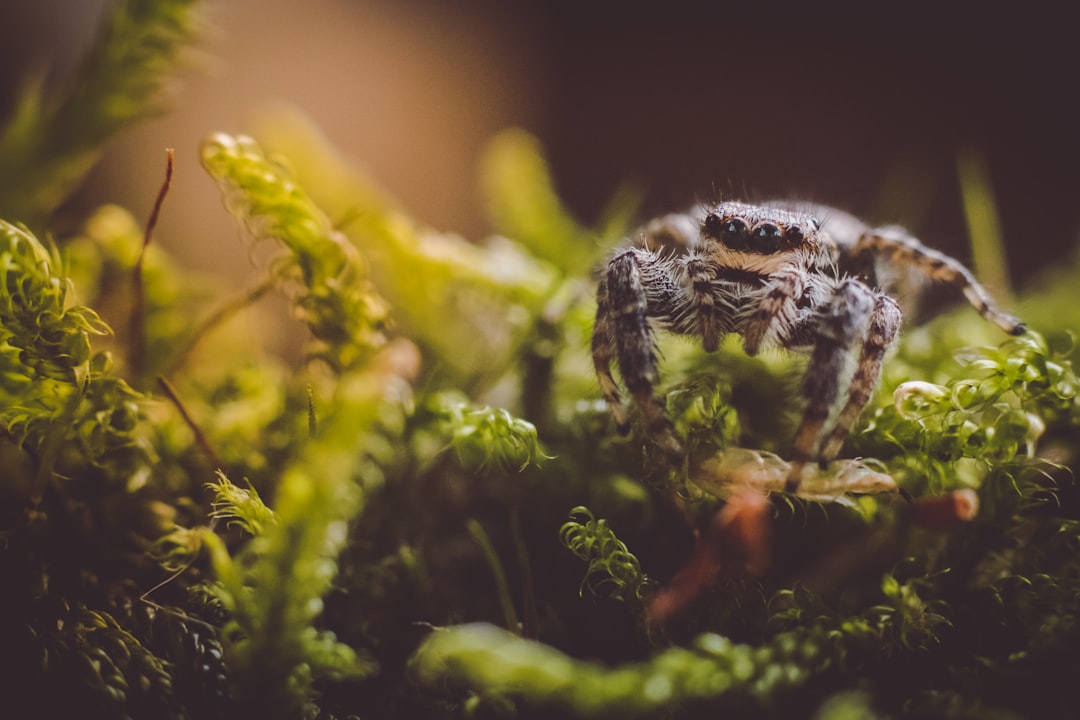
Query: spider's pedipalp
{"x": 778, "y": 309}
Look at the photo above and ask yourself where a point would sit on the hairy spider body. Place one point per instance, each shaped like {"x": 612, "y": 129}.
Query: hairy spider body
{"x": 802, "y": 277}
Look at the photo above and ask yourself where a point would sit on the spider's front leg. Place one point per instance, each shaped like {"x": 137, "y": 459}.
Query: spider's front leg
{"x": 884, "y": 330}
{"x": 623, "y": 329}
{"x": 855, "y": 314}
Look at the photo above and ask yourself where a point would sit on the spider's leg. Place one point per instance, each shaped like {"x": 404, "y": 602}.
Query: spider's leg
{"x": 603, "y": 350}
{"x": 777, "y": 309}
{"x": 884, "y": 329}
{"x": 623, "y": 315}
{"x": 842, "y": 320}
{"x": 900, "y": 248}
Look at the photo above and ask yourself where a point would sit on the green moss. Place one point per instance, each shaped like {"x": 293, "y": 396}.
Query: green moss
{"x": 53, "y": 141}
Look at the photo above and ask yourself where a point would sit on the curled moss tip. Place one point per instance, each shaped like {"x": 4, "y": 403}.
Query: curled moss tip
{"x": 323, "y": 274}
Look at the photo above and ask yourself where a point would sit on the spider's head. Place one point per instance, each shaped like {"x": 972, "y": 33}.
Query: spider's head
{"x": 760, "y": 230}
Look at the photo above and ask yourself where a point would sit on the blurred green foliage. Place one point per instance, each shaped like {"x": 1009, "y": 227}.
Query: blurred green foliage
{"x": 216, "y": 533}
{"x": 53, "y": 140}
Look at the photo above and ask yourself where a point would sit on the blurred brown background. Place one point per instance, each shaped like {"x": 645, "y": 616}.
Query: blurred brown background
{"x": 862, "y": 108}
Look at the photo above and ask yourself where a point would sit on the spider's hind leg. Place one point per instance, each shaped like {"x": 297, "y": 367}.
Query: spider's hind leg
{"x": 623, "y": 324}
{"x": 900, "y": 248}
{"x": 853, "y": 314}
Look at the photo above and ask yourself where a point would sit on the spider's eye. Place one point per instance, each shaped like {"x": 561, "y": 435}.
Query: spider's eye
{"x": 733, "y": 232}
{"x": 713, "y": 225}
{"x": 768, "y": 237}
{"x": 793, "y": 234}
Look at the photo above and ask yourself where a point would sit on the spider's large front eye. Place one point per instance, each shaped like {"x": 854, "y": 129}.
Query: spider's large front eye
{"x": 733, "y": 232}
{"x": 768, "y": 238}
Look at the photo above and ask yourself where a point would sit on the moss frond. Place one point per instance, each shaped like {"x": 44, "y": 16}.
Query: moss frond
{"x": 324, "y": 275}
{"x": 442, "y": 287}
{"x": 55, "y": 390}
{"x": 990, "y": 416}
{"x": 102, "y": 258}
{"x": 52, "y": 142}
{"x": 272, "y": 588}
{"x": 43, "y": 335}
{"x": 610, "y": 563}
{"x": 482, "y": 436}
{"x": 522, "y": 202}
{"x": 711, "y": 667}
{"x": 242, "y": 506}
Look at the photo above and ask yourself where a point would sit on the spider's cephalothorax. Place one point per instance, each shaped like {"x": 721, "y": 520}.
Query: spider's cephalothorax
{"x": 802, "y": 277}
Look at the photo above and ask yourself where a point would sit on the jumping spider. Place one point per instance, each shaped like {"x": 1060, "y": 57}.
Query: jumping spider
{"x": 802, "y": 277}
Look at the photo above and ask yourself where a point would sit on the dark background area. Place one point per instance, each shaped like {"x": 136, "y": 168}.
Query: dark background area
{"x": 862, "y": 107}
